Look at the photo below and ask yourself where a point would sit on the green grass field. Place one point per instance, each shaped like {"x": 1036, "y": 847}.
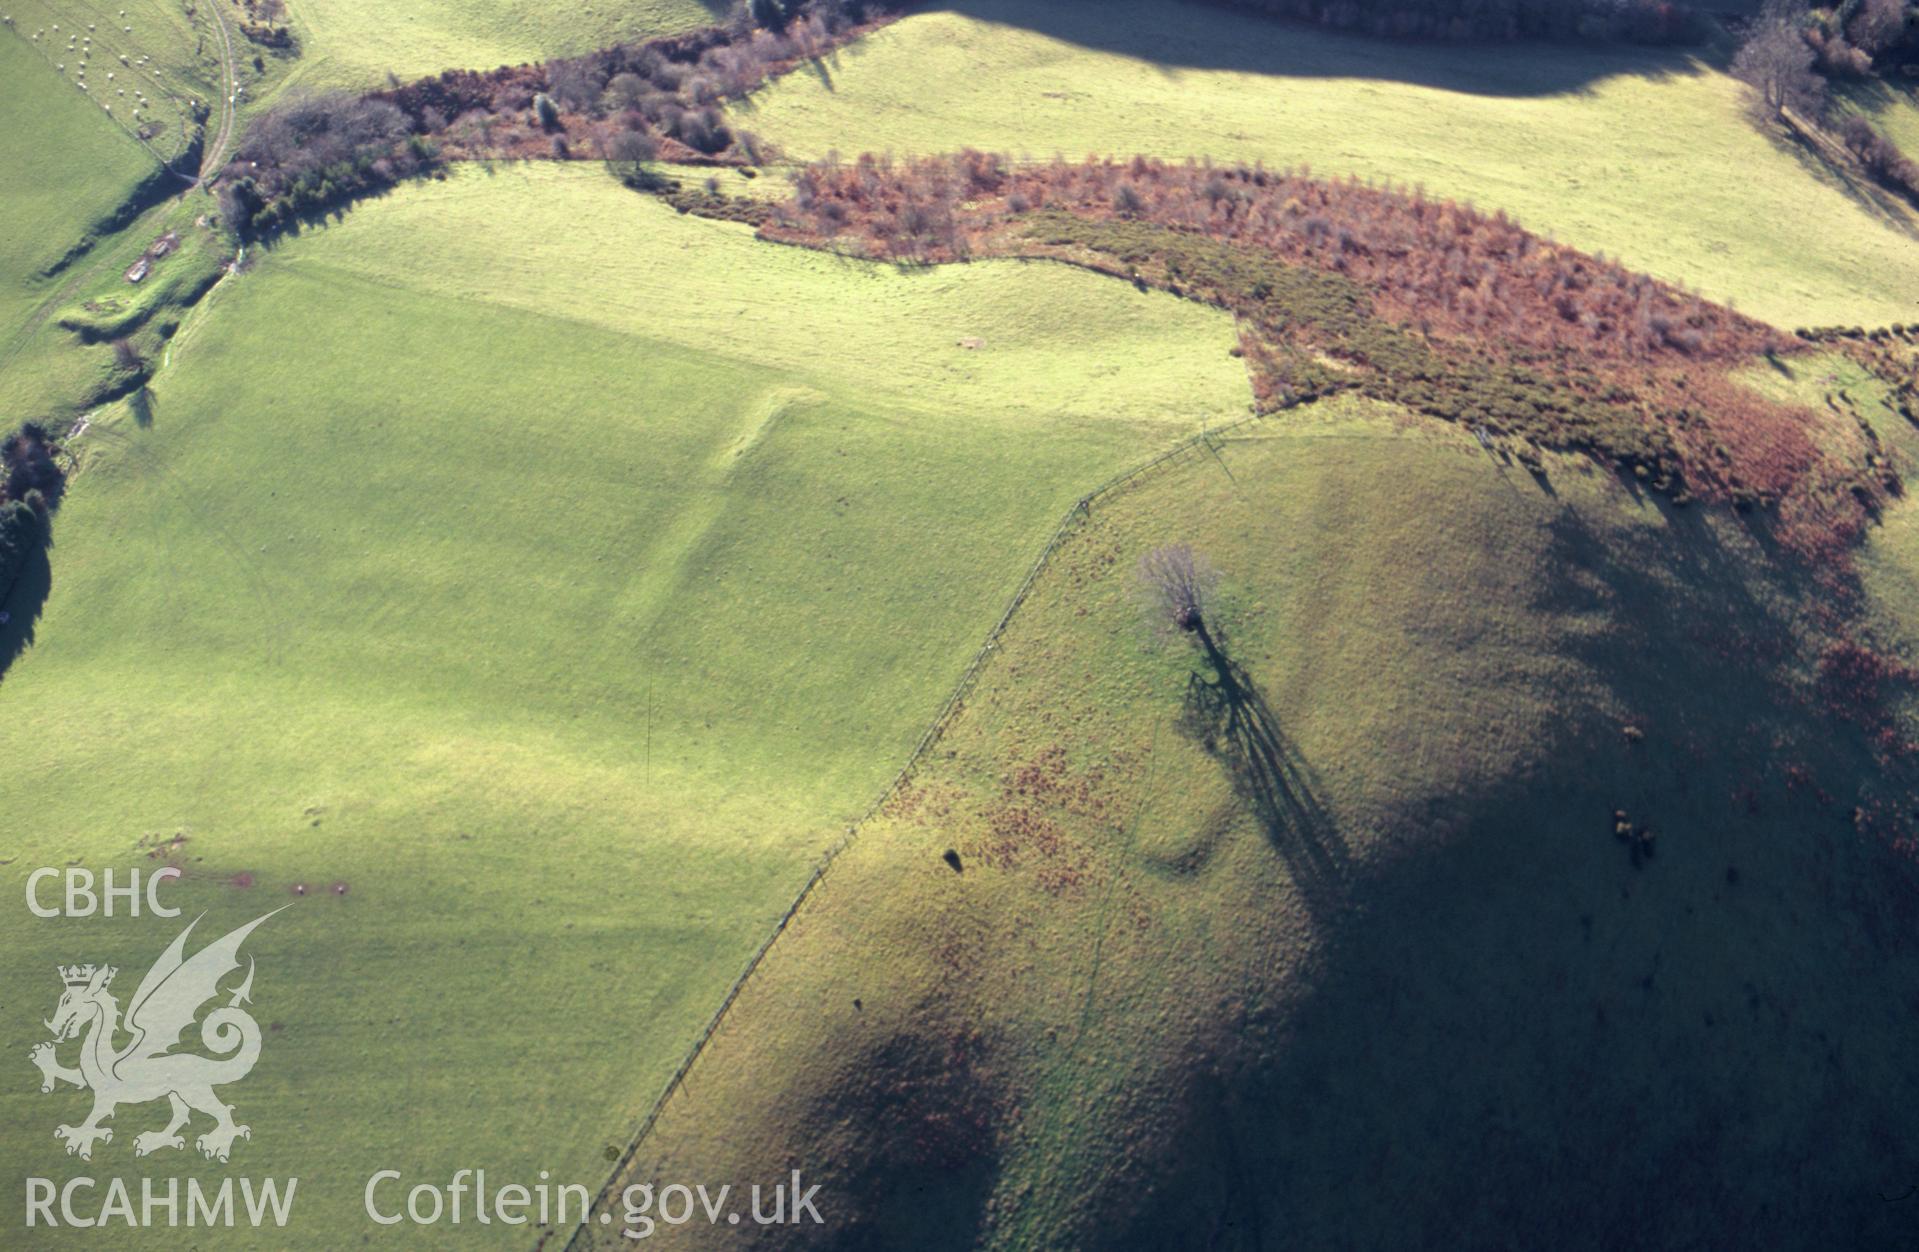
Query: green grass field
{"x": 1895, "y": 111}
{"x": 1579, "y": 144}
{"x": 525, "y": 584}
{"x": 90, "y": 197}
{"x": 1176, "y": 998}
{"x": 48, "y": 370}
{"x": 356, "y": 43}
{"x": 558, "y": 575}
{"x": 141, "y": 64}
{"x": 67, "y": 169}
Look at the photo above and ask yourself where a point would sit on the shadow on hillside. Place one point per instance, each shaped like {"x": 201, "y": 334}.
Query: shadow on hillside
{"x": 1229, "y": 717}
{"x": 1873, "y": 94}
{"x": 23, "y": 606}
{"x": 933, "y": 1116}
{"x": 1826, "y": 163}
{"x": 1176, "y": 36}
{"x": 321, "y": 216}
{"x": 1519, "y": 1035}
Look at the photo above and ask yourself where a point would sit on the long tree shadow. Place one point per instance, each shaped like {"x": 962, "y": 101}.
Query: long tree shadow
{"x": 23, "y": 604}
{"x": 1229, "y": 717}
{"x": 1519, "y": 1035}
{"x": 1821, "y": 161}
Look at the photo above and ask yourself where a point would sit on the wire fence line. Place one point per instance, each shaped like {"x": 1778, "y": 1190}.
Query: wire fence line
{"x": 955, "y": 700}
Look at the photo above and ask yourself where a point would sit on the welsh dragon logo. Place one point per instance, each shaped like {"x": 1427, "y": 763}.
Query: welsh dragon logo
{"x": 166, "y": 1003}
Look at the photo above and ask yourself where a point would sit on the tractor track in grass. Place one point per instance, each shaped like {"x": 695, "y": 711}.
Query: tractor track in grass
{"x": 229, "y": 84}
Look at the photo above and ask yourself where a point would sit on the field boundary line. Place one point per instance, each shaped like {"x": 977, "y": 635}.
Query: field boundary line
{"x": 955, "y": 700}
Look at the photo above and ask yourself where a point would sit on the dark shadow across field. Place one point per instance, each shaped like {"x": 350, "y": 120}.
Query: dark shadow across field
{"x": 1522, "y": 1035}
{"x": 23, "y": 605}
{"x": 1819, "y": 158}
{"x": 1216, "y": 37}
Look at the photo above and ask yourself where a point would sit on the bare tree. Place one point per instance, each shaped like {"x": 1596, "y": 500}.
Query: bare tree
{"x": 625, "y": 91}
{"x": 575, "y": 84}
{"x": 1860, "y": 138}
{"x": 1776, "y": 62}
{"x": 309, "y": 132}
{"x": 1179, "y": 584}
{"x": 628, "y": 150}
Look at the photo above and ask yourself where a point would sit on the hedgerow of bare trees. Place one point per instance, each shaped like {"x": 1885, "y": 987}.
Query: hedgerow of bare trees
{"x": 1444, "y": 265}
{"x": 1340, "y": 285}
{"x": 663, "y": 97}
{"x": 1789, "y": 54}
{"x": 1879, "y": 156}
{"x": 1853, "y": 37}
{"x": 1776, "y": 62}
{"x": 671, "y": 89}
{"x": 1876, "y": 26}
{"x": 311, "y": 152}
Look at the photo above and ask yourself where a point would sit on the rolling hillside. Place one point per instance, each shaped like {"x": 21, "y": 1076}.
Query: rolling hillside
{"x": 545, "y": 648}
{"x": 526, "y": 577}
{"x": 1309, "y": 959}
{"x": 1579, "y": 144}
